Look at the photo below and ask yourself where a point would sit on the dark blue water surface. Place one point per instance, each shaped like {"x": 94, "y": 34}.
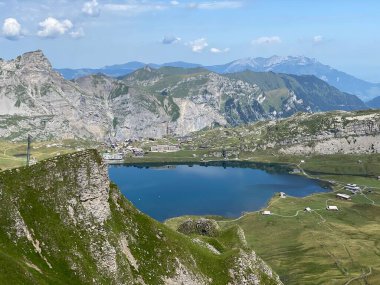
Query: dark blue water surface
{"x": 163, "y": 192}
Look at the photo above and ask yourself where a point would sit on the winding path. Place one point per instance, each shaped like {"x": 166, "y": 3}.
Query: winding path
{"x": 295, "y": 215}
{"x": 363, "y": 275}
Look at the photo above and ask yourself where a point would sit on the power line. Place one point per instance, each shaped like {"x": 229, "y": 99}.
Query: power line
{"x": 28, "y": 150}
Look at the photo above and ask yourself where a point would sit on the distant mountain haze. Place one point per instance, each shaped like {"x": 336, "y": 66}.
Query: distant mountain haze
{"x": 374, "y": 103}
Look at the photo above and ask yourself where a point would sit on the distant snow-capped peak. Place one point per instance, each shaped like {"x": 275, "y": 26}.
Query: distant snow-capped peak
{"x": 267, "y": 63}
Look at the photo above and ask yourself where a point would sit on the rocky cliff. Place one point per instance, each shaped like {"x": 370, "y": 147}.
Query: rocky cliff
{"x": 149, "y": 102}
{"x": 62, "y": 222}
{"x": 320, "y": 133}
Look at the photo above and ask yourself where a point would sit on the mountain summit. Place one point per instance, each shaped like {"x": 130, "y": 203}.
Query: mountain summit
{"x": 261, "y": 64}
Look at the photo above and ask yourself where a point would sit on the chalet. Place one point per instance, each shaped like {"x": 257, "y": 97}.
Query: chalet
{"x": 343, "y": 196}
{"x": 352, "y": 187}
{"x": 332, "y": 208}
{"x": 112, "y": 156}
{"x": 266, "y": 212}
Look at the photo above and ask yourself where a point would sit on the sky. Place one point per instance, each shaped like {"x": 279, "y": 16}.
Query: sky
{"x": 93, "y": 33}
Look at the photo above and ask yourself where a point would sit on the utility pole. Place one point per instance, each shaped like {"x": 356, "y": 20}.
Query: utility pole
{"x": 28, "y": 150}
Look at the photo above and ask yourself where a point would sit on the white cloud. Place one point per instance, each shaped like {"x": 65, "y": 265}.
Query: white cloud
{"x": 217, "y": 50}
{"x": 318, "y": 39}
{"x": 267, "y": 40}
{"x": 168, "y": 40}
{"x": 198, "y": 45}
{"x": 215, "y": 5}
{"x": 174, "y": 3}
{"x": 11, "y": 29}
{"x": 77, "y": 34}
{"x": 91, "y": 8}
{"x": 134, "y": 8}
{"x": 51, "y": 27}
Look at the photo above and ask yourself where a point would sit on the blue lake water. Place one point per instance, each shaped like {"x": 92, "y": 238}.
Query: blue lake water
{"x": 163, "y": 192}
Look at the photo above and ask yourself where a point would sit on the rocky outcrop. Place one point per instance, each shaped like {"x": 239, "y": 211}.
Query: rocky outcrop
{"x": 62, "y": 222}
{"x": 202, "y": 226}
{"x": 335, "y": 133}
{"x": 320, "y": 133}
{"x": 247, "y": 269}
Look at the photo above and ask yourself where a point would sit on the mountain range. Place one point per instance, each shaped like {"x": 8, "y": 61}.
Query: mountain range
{"x": 298, "y": 65}
{"x": 374, "y": 103}
{"x": 150, "y": 102}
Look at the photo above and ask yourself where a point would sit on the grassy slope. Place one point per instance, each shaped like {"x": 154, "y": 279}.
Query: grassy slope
{"x": 320, "y": 247}
{"x": 13, "y": 154}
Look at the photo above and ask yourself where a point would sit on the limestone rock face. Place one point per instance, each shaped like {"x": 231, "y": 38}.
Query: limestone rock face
{"x": 30, "y": 90}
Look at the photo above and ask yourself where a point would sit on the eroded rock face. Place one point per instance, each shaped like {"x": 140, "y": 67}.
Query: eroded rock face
{"x": 184, "y": 276}
{"x": 246, "y": 270}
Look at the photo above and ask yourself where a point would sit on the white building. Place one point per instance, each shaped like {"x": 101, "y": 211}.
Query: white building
{"x": 307, "y": 209}
{"x": 112, "y": 156}
{"x": 282, "y": 195}
{"x": 332, "y": 208}
{"x": 266, "y": 212}
{"x": 164, "y": 148}
{"x": 343, "y": 196}
{"x": 352, "y": 187}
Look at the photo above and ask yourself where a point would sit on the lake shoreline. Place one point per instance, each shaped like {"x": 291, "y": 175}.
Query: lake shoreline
{"x": 260, "y": 181}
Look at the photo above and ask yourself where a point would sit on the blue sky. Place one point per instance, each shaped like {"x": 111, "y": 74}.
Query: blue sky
{"x": 94, "y": 33}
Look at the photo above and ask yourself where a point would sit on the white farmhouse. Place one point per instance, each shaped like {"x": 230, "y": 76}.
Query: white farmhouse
{"x": 343, "y": 196}
{"x": 332, "y": 208}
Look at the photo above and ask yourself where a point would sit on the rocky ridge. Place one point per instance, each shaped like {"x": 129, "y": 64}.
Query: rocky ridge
{"x": 149, "y": 102}
{"x": 320, "y": 133}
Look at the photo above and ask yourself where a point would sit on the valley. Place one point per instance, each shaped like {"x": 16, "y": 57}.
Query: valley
{"x": 202, "y": 142}
{"x": 176, "y": 116}
{"x": 302, "y": 247}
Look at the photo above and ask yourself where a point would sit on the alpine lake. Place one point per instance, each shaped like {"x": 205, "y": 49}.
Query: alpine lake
{"x": 225, "y": 189}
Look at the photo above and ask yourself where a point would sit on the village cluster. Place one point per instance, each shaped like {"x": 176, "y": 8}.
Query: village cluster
{"x": 118, "y": 151}
{"x": 353, "y": 188}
